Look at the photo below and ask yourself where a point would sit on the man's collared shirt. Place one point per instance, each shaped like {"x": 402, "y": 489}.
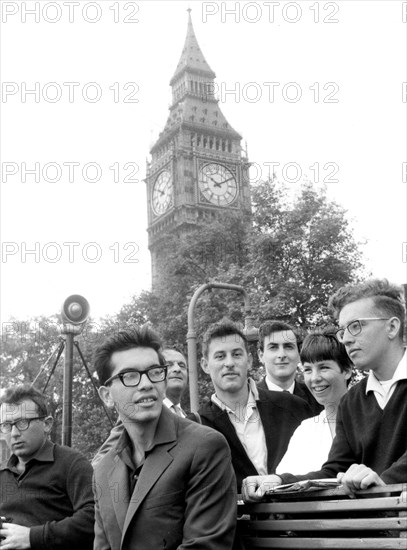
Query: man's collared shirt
{"x": 249, "y": 427}
{"x": 384, "y": 390}
{"x": 44, "y": 454}
{"x": 124, "y": 450}
{"x": 176, "y": 409}
{"x": 273, "y": 387}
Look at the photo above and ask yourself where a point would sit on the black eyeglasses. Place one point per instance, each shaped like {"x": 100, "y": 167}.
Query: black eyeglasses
{"x": 21, "y": 425}
{"x": 355, "y": 327}
{"x": 131, "y": 378}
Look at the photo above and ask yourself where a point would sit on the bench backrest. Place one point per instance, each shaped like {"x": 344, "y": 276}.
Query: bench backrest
{"x": 375, "y": 519}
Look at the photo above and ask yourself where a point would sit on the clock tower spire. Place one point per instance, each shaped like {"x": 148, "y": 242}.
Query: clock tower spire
{"x": 198, "y": 168}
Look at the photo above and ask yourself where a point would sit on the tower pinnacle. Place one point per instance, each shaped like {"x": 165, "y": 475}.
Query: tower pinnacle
{"x": 192, "y": 58}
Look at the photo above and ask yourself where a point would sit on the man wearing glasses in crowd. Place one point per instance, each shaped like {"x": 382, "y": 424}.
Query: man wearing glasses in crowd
{"x": 370, "y": 447}
{"x": 168, "y": 482}
{"x": 46, "y": 489}
{"x": 176, "y": 384}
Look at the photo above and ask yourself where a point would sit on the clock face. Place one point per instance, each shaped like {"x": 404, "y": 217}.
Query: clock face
{"x": 217, "y": 184}
{"x": 162, "y": 193}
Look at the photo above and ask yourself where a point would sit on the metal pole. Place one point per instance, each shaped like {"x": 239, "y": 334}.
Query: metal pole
{"x": 67, "y": 391}
{"x": 192, "y": 354}
{"x": 191, "y": 335}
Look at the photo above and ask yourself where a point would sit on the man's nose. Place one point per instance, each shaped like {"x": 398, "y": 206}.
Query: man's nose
{"x": 15, "y": 431}
{"x": 229, "y": 361}
{"x": 347, "y": 337}
{"x": 145, "y": 382}
{"x": 175, "y": 366}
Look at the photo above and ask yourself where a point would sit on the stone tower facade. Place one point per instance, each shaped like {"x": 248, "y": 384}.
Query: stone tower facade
{"x": 198, "y": 168}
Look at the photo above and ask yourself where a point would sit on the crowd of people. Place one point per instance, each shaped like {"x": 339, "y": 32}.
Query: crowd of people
{"x": 168, "y": 479}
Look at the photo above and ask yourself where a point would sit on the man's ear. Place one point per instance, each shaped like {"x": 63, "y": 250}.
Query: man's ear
{"x": 48, "y": 424}
{"x": 204, "y": 365}
{"x": 394, "y": 327}
{"x": 260, "y": 356}
{"x": 106, "y": 397}
{"x": 249, "y": 361}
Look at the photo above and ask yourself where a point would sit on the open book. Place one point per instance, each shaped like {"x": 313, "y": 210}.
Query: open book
{"x": 306, "y": 485}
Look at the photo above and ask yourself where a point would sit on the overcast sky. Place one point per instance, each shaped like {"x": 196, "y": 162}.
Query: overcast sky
{"x": 310, "y": 85}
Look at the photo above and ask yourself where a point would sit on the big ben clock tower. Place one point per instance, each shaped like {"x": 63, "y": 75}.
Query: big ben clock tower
{"x": 198, "y": 169}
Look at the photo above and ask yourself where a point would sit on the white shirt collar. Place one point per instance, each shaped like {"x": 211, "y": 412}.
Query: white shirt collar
{"x": 251, "y": 401}
{"x": 400, "y": 373}
{"x": 273, "y": 387}
{"x": 168, "y": 403}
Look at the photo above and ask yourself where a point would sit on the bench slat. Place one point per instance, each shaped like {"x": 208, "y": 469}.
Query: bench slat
{"x": 347, "y": 524}
{"x": 387, "y": 503}
{"x": 251, "y": 543}
{"x": 334, "y": 492}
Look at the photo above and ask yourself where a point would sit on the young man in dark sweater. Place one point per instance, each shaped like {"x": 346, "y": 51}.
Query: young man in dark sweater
{"x": 370, "y": 447}
{"x": 46, "y": 489}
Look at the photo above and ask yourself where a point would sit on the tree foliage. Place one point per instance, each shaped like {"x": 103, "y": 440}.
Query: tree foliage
{"x": 301, "y": 252}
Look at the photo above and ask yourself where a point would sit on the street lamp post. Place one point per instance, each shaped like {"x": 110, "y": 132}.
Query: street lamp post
{"x": 250, "y": 331}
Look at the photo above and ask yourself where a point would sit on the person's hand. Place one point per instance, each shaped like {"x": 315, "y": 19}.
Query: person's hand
{"x": 254, "y": 487}
{"x": 14, "y": 537}
{"x": 358, "y": 476}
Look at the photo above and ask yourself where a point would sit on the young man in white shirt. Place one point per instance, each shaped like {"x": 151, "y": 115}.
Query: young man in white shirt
{"x": 257, "y": 424}
{"x": 279, "y": 353}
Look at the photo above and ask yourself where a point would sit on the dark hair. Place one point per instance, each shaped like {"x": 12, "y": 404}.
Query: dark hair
{"x": 17, "y": 394}
{"x": 220, "y": 330}
{"x": 323, "y": 345}
{"x": 387, "y": 297}
{"x": 270, "y": 327}
{"x": 143, "y": 337}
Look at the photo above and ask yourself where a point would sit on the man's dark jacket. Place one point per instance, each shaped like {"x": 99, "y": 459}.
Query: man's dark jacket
{"x": 279, "y": 418}
{"x": 300, "y": 390}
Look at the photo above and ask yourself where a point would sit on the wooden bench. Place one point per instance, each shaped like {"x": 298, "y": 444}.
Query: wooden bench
{"x": 375, "y": 519}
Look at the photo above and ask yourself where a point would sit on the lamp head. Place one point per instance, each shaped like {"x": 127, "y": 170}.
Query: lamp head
{"x": 74, "y": 313}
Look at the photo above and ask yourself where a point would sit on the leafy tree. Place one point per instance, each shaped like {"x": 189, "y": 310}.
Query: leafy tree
{"x": 301, "y": 252}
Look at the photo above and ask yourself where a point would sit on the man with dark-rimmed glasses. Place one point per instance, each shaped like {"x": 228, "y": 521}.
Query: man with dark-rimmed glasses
{"x": 168, "y": 482}
{"x": 370, "y": 447}
{"x": 176, "y": 384}
{"x": 46, "y": 489}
